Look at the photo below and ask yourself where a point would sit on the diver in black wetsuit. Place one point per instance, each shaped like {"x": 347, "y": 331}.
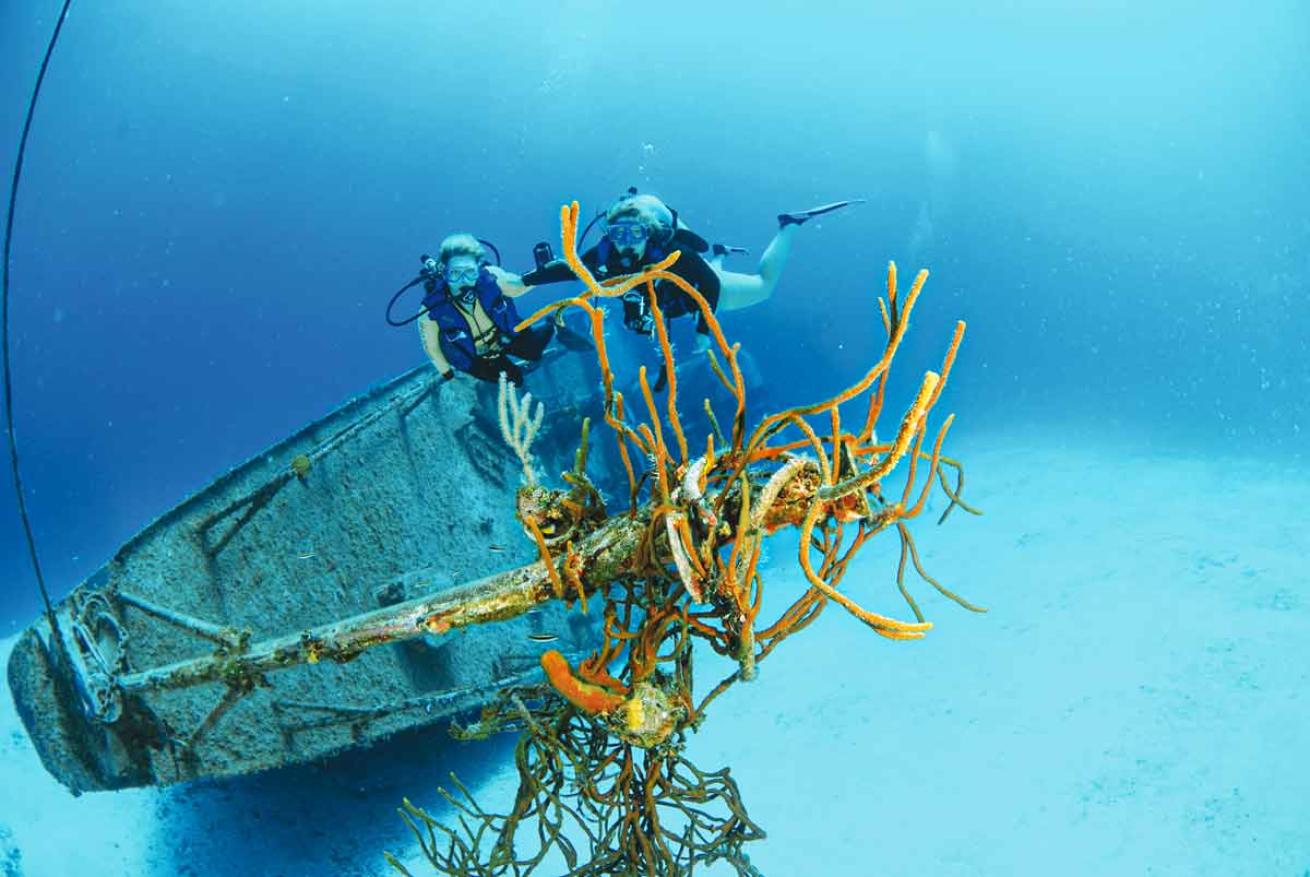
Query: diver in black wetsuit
{"x": 640, "y": 230}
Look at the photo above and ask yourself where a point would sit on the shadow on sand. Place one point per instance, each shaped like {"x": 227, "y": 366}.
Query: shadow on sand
{"x": 333, "y": 817}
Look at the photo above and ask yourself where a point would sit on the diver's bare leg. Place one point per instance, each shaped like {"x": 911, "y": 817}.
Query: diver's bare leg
{"x": 738, "y": 291}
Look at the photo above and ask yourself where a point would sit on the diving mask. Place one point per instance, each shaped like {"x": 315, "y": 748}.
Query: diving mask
{"x": 627, "y": 233}
{"x": 460, "y": 276}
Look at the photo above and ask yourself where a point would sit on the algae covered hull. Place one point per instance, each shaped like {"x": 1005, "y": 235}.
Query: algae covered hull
{"x": 401, "y": 493}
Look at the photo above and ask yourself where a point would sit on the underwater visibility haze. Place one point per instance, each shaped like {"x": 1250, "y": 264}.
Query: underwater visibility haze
{"x": 218, "y": 201}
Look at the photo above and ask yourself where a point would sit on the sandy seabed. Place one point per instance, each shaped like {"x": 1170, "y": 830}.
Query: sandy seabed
{"x": 1136, "y": 701}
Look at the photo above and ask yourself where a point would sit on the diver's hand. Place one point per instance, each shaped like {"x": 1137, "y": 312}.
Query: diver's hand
{"x": 702, "y": 343}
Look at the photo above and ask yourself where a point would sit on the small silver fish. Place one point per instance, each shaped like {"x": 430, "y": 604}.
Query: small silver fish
{"x": 306, "y": 556}
{"x": 543, "y": 637}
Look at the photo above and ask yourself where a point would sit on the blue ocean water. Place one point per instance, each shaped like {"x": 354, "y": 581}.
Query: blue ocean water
{"x": 219, "y": 199}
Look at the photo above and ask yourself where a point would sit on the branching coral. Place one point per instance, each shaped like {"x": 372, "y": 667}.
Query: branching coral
{"x": 577, "y": 787}
{"x": 603, "y": 784}
{"x": 518, "y": 424}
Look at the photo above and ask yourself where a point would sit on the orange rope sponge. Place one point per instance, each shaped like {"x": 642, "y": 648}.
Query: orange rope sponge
{"x": 586, "y": 696}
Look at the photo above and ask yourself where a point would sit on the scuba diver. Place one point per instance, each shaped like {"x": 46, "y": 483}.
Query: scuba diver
{"x": 639, "y": 230}
{"x": 470, "y": 316}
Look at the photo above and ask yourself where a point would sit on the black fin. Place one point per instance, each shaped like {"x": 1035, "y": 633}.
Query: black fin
{"x": 801, "y": 216}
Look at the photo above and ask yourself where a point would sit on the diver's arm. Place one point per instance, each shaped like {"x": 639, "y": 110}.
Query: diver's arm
{"x": 430, "y": 332}
{"x": 511, "y": 285}
{"x": 558, "y": 270}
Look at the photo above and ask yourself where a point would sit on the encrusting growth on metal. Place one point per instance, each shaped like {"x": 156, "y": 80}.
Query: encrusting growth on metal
{"x": 603, "y": 784}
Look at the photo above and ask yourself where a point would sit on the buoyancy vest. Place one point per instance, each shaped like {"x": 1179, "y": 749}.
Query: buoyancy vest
{"x": 457, "y": 342}
{"x": 636, "y": 313}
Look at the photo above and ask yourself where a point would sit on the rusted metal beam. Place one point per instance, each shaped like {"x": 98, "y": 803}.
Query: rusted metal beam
{"x": 609, "y": 553}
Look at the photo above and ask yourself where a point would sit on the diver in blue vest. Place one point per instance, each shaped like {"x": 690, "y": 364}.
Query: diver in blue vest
{"x": 470, "y": 316}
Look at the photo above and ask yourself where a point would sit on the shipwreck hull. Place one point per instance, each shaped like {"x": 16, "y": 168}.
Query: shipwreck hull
{"x": 403, "y": 491}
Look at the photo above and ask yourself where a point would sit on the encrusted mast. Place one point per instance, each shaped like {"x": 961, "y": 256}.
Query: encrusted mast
{"x": 602, "y": 779}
